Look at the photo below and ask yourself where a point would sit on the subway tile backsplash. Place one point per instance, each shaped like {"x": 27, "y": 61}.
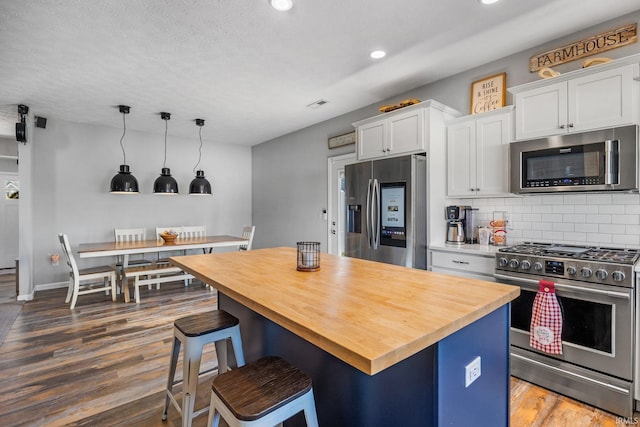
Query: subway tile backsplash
{"x": 599, "y": 219}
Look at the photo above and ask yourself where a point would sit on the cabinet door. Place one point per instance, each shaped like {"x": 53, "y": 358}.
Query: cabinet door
{"x": 541, "y": 112}
{"x": 371, "y": 140}
{"x": 492, "y": 154}
{"x": 461, "y": 159}
{"x": 602, "y": 99}
{"x": 406, "y": 132}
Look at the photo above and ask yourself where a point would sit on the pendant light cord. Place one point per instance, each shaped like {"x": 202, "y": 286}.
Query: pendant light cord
{"x": 199, "y": 151}
{"x": 124, "y": 125}
{"x": 166, "y": 126}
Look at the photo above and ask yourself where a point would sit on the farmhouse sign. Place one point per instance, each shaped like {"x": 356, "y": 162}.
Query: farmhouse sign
{"x": 586, "y": 47}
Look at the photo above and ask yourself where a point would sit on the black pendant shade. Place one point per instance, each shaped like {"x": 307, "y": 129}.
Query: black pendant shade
{"x": 165, "y": 183}
{"x": 200, "y": 185}
{"x": 124, "y": 182}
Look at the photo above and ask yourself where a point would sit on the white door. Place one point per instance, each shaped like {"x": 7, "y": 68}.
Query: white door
{"x": 9, "y": 220}
{"x": 337, "y": 206}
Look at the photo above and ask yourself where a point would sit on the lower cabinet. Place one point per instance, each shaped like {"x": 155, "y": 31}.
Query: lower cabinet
{"x": 475, "y": 266}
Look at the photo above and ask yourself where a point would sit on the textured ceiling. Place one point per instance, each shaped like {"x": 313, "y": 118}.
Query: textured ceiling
{"x": 247, "y": 69}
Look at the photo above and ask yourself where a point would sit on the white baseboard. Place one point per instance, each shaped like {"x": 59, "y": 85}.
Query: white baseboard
{"x": 47, "y": 286}
{"x": 27, "y": 297}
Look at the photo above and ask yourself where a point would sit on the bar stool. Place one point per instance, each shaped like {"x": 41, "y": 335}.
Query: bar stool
{"x": 194, "y": 332}
{"x": 262, "y": 393}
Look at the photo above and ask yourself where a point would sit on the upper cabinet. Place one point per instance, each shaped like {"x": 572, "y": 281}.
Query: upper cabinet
{"x": 402, "y": 131}
{"x": 478, "y": 154}
{"x": 601, "y": 96}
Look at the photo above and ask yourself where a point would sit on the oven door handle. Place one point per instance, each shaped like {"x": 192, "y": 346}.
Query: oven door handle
{"x": 561, "y": 286}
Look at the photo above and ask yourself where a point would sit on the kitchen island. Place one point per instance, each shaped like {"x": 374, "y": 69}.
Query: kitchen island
{"x": 385, "y": 345}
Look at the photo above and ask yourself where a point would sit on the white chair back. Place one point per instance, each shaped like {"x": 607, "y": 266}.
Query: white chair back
{"x": 193, "y": 231}
{"x": 159, "y": 230}
{"x": 71, "y": 261}
{"x": 129, "y": 234}
{"x": 247, "y": 233}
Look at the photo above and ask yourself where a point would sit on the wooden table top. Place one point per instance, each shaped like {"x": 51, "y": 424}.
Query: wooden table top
{"x": 368, "y": 314}
{"x": 119, "y": 248}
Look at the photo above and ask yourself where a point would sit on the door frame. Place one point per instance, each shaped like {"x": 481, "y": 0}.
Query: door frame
{"x": 336, "y": 166}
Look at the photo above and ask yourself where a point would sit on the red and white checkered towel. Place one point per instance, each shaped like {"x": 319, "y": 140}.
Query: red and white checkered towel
{"x": 546, "y": 320}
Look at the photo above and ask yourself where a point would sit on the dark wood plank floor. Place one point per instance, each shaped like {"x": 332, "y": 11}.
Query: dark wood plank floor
{"x": 105, "y": 364}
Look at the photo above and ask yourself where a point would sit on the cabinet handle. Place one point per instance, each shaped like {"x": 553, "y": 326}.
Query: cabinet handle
{"x": 472, "y": 189}
{"x": 570, "y": 125}
{"x": 477, "y": 189}
{"x": 561, "y": 126}
{"x": 461, "y": 262}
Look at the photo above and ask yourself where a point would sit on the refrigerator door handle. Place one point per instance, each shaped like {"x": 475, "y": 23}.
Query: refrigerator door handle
{"x": 375, "y": 217}
{"x": 368, "y": 216}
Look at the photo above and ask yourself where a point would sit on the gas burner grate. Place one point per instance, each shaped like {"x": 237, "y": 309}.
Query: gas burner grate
{"x": 612, "y": 255}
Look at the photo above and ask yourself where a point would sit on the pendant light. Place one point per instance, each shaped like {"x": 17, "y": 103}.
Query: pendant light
{"x": 165, "y": 184}
{"x": 124, "y": 182}
{"x": 199, "y": 185}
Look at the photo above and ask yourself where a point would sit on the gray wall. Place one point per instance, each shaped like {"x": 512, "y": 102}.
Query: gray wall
{"x": 290, "y": 172}
{"x": 73, "y": 165}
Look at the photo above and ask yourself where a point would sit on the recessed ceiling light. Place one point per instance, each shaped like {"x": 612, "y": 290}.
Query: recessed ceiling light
{"x": 377, "y": 54}
{"x": 488, "y": 1}
{"x": 281, "y": 5}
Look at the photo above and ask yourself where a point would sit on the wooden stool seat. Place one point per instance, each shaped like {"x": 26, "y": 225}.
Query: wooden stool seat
{"x": 263, "y": 393}
{"x": 194, "y": 332}
{"x": 205, "y": 323}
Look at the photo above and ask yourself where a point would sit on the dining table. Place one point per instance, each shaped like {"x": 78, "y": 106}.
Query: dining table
{"x": 125, "y": 249}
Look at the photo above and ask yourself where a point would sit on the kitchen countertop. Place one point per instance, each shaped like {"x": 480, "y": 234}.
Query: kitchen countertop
{"x": 370, "y": 315}
{"x": 475, "y": 249}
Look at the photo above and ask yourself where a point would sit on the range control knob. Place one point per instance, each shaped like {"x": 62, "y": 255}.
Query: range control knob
{"x": 618, "y": 276}
{"x": 537, "y": 266}
{"x": 571, "y": 270}
{"x": 601, "y": 274}
{"x": 502, "y": 262}
{"x": 525, "y": 265}
{"x": 514, "y": 263}
{"x": 586, "y": 272}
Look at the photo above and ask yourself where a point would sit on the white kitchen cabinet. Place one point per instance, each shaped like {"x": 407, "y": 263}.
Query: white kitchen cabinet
{"x": 464, "y": 264}
{"x": 398, "y": 132}
{"x": 601, "y": 96}
{"x": 478, "y": 154}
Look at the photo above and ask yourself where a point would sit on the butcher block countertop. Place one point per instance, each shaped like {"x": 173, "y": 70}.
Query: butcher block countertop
{"x": 368, "y": 314}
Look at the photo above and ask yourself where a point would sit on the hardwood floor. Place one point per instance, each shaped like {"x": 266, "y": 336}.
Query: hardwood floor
{"x": 105, "y": 364}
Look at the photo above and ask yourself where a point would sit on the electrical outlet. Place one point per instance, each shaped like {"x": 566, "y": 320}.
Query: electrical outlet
{"x": 472, "y": 371}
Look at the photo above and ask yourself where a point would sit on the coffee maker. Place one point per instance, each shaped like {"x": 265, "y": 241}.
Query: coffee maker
{"x": 455, "y": 224}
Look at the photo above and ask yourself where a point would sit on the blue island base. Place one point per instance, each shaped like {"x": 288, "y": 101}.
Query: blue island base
{"x": 426, "y": 389}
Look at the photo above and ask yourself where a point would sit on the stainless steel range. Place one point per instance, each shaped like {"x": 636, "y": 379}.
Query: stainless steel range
{"x": 596, "y": 291}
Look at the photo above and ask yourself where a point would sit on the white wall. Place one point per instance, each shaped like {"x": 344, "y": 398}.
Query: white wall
{"x": 8, "y": 147}
{"x": 290, "y": 183}
{"x": 72, "y": 168}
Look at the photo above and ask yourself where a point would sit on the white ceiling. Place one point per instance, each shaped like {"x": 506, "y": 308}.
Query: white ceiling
{"x": 247, "y": 69}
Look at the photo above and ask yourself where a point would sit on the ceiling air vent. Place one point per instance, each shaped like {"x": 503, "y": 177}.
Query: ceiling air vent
{"x": 319, "y": 103}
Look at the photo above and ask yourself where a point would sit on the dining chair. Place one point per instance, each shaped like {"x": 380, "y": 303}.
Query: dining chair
{"x": 88, "y": 280}
{"x": 129, "y": 235}
{"x": 247, "y": 233}
{"x": 193, "y": 232}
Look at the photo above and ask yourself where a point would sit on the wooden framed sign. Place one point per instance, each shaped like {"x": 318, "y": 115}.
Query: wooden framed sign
{"x": 586, "y": 47}
{"x": 340, "y": 140}
{"x": 488, "y": 94}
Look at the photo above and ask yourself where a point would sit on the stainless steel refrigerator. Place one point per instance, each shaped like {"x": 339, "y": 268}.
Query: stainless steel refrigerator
{"x": 387, "y": 210}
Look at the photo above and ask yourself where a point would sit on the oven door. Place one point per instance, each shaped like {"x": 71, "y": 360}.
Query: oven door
{"x": 597, "y": 325}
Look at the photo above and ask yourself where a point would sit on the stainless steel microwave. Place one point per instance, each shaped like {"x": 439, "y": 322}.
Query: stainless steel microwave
{"x": 602, "y": 160}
